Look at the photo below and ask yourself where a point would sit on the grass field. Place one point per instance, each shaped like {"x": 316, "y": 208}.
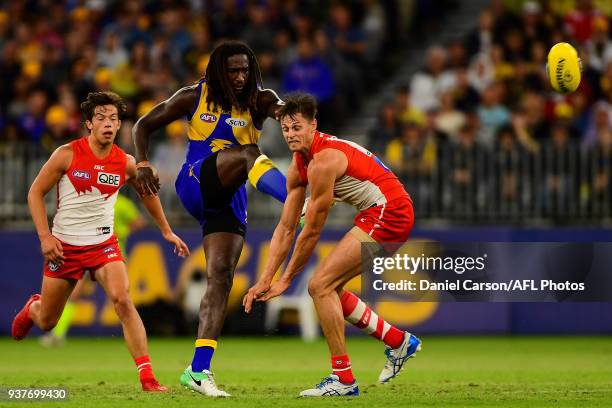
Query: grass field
{"x": 450, "y": 371}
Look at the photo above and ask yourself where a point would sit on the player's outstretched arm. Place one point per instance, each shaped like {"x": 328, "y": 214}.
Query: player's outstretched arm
{"x": 282, "y": 238}
{"x": 154, "y": 207}
{"x": 323, "y": 171}
{"x": 178, "y": 105}
{"x": 48, "y": 176}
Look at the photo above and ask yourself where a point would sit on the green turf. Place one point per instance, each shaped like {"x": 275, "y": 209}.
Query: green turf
{"x": 268, "y": 371}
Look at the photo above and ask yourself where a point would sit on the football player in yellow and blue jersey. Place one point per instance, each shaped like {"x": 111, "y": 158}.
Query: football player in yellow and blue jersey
{"x": 226, "y": 110}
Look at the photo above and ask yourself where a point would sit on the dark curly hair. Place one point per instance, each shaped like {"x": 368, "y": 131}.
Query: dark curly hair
{"x": 220, "y": 92}
{"x": 102, "y": 98}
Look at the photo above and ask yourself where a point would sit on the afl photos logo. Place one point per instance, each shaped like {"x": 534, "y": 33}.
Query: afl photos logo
{"x": 53, "y": 267}
{"x": 108, "y": 179}
{"x": 238, "y": 123}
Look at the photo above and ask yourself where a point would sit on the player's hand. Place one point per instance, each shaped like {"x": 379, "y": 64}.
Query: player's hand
{"x": 277, "y": 289}
{"x": 52, "y": 249}
{"x": 180, "y": 247}
{"x": 147, "y": 181}
{"x": 256, "y": 291}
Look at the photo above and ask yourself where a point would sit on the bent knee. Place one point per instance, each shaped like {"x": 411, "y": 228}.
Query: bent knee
{"x": 122, "y": 302}
{"x": 250, "y": 153}
{"x": 318, "y": 287}
{"x": 222, "y": 281}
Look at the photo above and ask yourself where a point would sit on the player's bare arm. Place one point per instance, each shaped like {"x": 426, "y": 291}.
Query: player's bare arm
{"x": 268, "y": 103}
{"x": 324, "y": 169}
{"x": 49, "y": 176}
{"x": 154, "y": 207}
{"x": 177, "y": 106}
{"x": 282, "y": 238}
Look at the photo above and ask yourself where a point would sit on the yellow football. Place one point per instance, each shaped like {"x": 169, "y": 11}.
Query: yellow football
{"x": 563, "y": 68}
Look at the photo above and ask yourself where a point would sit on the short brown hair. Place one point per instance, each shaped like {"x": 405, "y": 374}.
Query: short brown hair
{"x": 102, "y": 98}
{"x": 298, "y": 102}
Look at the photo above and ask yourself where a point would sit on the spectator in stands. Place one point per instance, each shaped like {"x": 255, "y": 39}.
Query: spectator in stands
{"x": 285, "y": 51}
{"x": 599, "y": 170}
{"x": 582, "y": 113}
{"x": 600, "y": 124}
{"x": 599, "y": 47}
{"x": 579, "y": 21}
{"x": 465, "y": 95}
{"x": 428, "y": 83}
{"x": 56, "y": 66}
{"x": 560, "y": 159}
{"x": 507, "y": 171}
{"x": 57, "y": 133}
{"x": 385, "y": 130}
{"x": 481, "y": 72}
{"x": 406, "y": 111}
{"x": 448, "y": 119}
{"x": 111, "y": 53}
{"x": 413, "y": 159}
{"x": 492, "y": 114}
{"x": 532, "y": 25}
{"x": 347, "y": 37}
{"x": 467, "y": 169}
{"x": 533, "y": 107}
{"x": 374, "y": 26}
{"x": 480, "y": 40}
{"x": 228, "y": 20}
{"x": 457, "y": 55}
{"x": 258, "y": 33}
{"x": 32, "y": 121}
{"x": 309, "y": 73}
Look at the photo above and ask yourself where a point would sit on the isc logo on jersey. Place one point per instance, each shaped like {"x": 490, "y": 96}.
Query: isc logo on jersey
{"x": 239, "y": 123}
{"x": 109, "y": 179}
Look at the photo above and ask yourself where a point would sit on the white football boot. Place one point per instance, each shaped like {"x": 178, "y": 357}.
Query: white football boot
{"x": 202, "y": 382}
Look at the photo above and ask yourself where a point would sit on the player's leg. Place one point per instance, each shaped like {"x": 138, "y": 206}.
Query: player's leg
{"x": 43, "y": 310}
{"x": 339, "y": 267}
{"x": 391, "y": 226}
{"x": 239, "y": 163}
{"x": 57, "y": 336}
{"x": 222, "y": 251}
{"x": 114, "y": 280}
{"x": 359, "y": 314}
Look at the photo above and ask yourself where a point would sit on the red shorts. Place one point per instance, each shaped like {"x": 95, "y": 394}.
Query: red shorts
{"x": 390, "y": 222}
{"x": 80, "y": 259}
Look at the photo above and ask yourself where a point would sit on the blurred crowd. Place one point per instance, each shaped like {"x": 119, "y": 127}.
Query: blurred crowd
{"x": 52, "y": 53}
{"x": 476, "y": 133}
{"x": 479, "y": 132}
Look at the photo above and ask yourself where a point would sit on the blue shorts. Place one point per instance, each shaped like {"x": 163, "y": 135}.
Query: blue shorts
{"x": 216, "y": 209}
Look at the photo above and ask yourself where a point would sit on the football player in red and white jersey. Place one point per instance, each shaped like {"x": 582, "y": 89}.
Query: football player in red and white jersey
{"x": 336, "y": 169}
{"x": 88, "y": 173}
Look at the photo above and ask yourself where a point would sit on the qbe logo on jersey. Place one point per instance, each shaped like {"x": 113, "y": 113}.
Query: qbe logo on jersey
{"x": 109, "y": 179}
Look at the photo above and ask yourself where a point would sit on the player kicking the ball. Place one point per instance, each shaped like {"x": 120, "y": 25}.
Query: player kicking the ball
{"x": 89, "y": 173}
{"x": 345, "y": 170}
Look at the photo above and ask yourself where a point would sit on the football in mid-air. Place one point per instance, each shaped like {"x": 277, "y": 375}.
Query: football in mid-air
{"x": 563, "y": 68}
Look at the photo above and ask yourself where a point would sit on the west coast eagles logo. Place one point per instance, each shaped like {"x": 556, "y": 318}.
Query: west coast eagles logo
{"x": 219, "y": 144}
{"x": 53, "y": 266}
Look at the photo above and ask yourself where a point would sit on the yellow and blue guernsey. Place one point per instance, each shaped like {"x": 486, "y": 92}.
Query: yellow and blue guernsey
{"x": 210, "y": 132}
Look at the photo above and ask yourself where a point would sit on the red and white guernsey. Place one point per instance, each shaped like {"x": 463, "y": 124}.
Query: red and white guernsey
{"x": 366, "y": 183}
{"x": 86, "y": 195}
